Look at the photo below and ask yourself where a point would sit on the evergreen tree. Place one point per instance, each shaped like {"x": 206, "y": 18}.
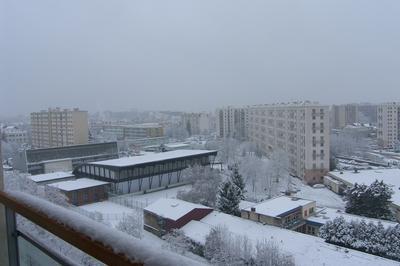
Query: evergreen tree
{"x": 370, "y": 201}
{"x": 228, "y": 198}
{"x": 371, "y": 238}
{"x": 238, "y": 181}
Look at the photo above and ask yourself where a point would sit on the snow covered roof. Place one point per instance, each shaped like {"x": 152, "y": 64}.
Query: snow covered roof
{"x": 50, "y": 176}
{"x": 324, "y": 215}
{"x": 279, "y": 205}
{"x": 80, "y": 183}
{"x": 173, "y": 208}
{"x": 388, "y": 176}
{"x": 156, "y": 157}
{"x": 307, "y": 250}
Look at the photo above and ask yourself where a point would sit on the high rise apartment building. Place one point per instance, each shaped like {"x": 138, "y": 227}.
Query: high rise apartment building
{"x": 301, "y": 129}
{"x": 388, "y": 124}
{"x": 233, "y": 122}
{"x": 343, "y": 115}
{"x": 59, "y": 127}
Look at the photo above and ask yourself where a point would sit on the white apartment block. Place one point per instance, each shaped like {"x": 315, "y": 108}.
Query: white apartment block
{"x": 233, "y": 122}
{"x": 198, "y": 123}
{"x": 59, "y": 127}
{"x": 301, "y": 129}
{"x": 15, "y": 135}
{"x": 138, "y": 131}
{"x": 343, "y": 115}
{"x": 388, "y": 124}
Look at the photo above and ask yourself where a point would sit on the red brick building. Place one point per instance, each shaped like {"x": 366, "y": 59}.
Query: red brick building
{"x": 165, "y": 215}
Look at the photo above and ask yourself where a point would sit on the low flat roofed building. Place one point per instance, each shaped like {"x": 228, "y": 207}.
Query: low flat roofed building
{"x": 83, "y": 190}
{"x": 168, "y": 147}
{"x": 282, "y": 211}
{"x": 49, "y": 178}
{"x": 324, "y": 215}
{"x": 390, "y": 177}
{"x": 40, "y": 161}
{"x": 157, "y": 170}
{"x": 165, "y": 215}
{"x": 334, "y": 185}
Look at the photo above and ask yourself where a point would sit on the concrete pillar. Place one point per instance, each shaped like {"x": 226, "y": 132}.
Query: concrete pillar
{"x": 3, "y": 231}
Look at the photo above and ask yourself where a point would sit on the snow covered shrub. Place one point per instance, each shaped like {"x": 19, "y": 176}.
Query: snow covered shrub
{"x": 131, "y": 224}
{"x": 225, "y": 248}
{"x": 177, "y": 241}
{"x": 369, "y": 238}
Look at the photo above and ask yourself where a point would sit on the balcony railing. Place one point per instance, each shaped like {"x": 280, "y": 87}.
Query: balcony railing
{"x": 104, "y": 244}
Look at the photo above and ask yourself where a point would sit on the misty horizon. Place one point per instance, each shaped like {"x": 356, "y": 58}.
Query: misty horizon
{"x": 196, "y": 56}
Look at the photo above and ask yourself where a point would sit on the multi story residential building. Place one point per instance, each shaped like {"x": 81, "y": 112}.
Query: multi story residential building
{"x": 130, "y": 132}
{"x": 301, "y": 129}
{"x": 59, "y": 127}
{"x": 198, "y": 123}
{"x": 343, "y": 115}
{"x": 15, "y": 135}
{"x": 233, "y": 122}
{"x": 388, "y": 124}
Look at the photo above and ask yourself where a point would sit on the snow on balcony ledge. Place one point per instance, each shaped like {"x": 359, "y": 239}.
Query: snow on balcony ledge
{"x": 121, "y": 243}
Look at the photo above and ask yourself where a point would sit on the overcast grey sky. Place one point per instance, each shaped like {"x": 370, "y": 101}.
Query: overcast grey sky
{"x": 196, "y": 54}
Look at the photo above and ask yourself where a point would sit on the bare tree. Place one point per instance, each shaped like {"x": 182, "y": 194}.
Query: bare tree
{"x": 132, "y": 224}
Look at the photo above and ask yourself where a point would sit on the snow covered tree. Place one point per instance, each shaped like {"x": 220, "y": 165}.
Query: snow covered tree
{"x": 205, "y": 186}
{"x": 370, "y": 238}
{"x": 132, "y": 224}
{"x": 177, "y": 241}
{"x": 215, "y": 245}
{"x": 370, "y": 201}
{"x": 278, "y": 173}
{"x": 392, "y": 242}
{"x": 228, "y": 198}
{"x": 238, "y": 181}
{"x": 269, "y": 254}
{"x": 225, "y": 248}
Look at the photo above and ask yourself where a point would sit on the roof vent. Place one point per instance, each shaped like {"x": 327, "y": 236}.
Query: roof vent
{"x": 295, "y": 199}
{"x": 253, "y": 209}
{"x": 174, "y": 204}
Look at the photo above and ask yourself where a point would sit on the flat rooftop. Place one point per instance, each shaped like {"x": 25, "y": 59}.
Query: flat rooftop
{"x": 77, "y": 184}
{"x": 173, "y": 208}
{"x": 390, "y": 177}
{"x": 50, "y": 176}
{"x": 279, "y": 205}
{"x": 323, "y": 215}
{"x": 150, "y": 158}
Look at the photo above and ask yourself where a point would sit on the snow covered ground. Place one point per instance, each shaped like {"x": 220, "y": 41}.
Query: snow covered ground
{"x": 112, "y": 213}
{"x": 115, "y": 208}
{"x": 151, "y": 197}
{"x": 306, "y": 250}
{"x": 323, "y": 196}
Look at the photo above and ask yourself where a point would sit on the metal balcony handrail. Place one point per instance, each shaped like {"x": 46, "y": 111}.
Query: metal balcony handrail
{"x": 80, "y": 240}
